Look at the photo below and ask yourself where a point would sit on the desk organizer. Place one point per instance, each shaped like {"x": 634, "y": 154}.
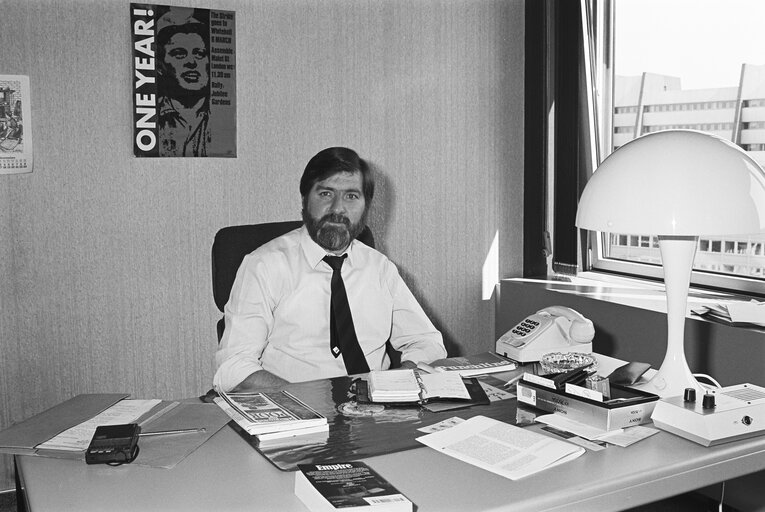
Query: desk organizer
{"x": 633, "y": 407}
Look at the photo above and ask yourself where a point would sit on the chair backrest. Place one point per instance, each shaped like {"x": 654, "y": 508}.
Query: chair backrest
{"x": 233, "y": 243}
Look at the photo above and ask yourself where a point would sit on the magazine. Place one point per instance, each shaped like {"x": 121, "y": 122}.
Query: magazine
{"x": 475, "y": 364}
{"x": 270, "y": 412}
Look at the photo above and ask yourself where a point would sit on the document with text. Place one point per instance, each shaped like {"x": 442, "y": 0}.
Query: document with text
{"x": 78, "y": 437}
{"x": 501, "y": 448}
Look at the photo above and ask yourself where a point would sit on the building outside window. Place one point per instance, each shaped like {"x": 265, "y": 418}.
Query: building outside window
{"x": 715, "y": 85}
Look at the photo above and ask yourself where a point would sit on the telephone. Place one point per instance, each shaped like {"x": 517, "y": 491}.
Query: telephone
{"x": 552, "y": 329}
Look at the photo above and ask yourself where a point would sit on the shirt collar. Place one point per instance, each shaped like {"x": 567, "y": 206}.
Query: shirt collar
{"x": 315, "y": 253}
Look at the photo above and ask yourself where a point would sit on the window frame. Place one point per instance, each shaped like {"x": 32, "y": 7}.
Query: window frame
{"x": 598, "y": 23}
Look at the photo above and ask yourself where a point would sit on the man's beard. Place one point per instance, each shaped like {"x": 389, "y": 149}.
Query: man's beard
{"x": 334, "y": 232}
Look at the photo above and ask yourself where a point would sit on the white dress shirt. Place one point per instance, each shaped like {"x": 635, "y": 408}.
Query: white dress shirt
{"x": 277, "y": 317}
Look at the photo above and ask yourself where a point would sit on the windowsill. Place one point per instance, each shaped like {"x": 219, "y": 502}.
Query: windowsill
{"x": 639, "y": 293}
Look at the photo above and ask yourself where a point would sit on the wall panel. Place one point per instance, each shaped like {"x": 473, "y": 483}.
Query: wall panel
{"x": 104, "y": 258}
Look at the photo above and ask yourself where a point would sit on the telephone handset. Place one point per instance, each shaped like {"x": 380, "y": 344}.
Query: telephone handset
{"x": 552, "y": 329}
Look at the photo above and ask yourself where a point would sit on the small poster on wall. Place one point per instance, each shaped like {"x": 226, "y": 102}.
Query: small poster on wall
{"x": 184, "y": 81}
{"x": 15, "y": 124}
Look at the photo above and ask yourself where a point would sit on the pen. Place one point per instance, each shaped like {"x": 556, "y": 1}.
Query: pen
{"x": 159, "y": 413}
{"x": 513, "y": 380}
{"x": 169, "y": 432}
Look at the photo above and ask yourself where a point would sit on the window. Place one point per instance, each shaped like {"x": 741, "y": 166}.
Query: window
{"x": 649, "y": 84}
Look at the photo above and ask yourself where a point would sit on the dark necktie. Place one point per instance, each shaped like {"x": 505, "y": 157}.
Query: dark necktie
{"x": 342, "y": 335}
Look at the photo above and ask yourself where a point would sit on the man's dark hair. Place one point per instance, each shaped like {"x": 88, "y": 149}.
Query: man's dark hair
{"x": 331, "y": 161}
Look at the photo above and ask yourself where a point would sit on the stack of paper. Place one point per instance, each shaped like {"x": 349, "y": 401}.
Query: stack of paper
{"x": 394, "y": 386}
{"x": 734, "y": 312}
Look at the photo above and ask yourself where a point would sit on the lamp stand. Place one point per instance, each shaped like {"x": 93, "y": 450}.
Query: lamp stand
{"x": 677, "y": 254}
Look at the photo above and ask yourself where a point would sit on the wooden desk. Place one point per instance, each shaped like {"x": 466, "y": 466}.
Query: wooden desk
{"x": 227, "y": 474}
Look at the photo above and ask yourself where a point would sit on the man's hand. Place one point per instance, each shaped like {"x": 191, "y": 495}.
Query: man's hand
{"x": 409, "y": 365}
{"x": 261, "y": 380}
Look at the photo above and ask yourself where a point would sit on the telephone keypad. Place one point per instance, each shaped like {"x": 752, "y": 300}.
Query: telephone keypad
{"x": 520, "y": 335}
{"x": 525, "y": 327}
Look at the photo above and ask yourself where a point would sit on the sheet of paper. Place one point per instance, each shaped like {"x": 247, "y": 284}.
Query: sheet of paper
{"x": 78, "y": 437}
{"x": 501, "y": 448}
{"x": 628, "y": 436}
{"x": 494, "y": 393}
{"x": 752, "y": 312}
{"x": 444, "y": 384}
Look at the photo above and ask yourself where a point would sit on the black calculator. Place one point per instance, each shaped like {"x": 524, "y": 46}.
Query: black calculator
{"x": 113, "y": 444}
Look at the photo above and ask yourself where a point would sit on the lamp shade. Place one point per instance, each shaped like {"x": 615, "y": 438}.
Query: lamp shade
{"x": 675, "y": 182}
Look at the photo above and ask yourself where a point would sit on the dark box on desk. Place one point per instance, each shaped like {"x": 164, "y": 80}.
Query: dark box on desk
{"x": 605, "y": 416}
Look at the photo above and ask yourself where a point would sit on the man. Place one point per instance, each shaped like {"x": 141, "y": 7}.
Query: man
{"x": 279, "y": 316}
{"x": 183, "y": 83}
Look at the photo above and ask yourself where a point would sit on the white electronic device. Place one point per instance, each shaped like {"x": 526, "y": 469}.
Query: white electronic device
{"x": 719, "y": 416}
{"x": 552, "y": 329}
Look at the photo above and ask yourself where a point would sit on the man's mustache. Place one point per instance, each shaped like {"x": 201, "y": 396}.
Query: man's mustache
{"x": 335, "y": 218}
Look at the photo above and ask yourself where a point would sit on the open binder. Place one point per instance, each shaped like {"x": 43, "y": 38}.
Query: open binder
{"x": 408, "y": 387}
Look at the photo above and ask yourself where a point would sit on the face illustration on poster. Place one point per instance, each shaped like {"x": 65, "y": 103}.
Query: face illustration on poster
{"x": 183, "y": 81}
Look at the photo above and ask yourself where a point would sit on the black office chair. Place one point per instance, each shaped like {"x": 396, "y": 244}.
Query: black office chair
{"x": 233, "y": 243}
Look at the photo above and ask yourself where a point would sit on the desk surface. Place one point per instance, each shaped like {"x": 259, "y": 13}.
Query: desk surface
{"x": 226, "y": 473}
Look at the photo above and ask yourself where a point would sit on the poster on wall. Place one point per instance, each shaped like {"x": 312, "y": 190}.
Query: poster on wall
{"x": 15, "y": 125}
{"x": 184, "y": 81}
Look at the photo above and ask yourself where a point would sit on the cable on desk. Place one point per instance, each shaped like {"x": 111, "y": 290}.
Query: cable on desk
{"x": 131, "y": 458}
{"x": 707, "y": 378}
{"x": 722, "y": 495}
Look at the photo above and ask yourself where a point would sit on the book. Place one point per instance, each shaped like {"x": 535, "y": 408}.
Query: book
{"x": 507, "y": 450}
{"x": 408, "y": 385}
{"x": 347, "y": 486}
{"x": 268, "y": 413}
{"x": 475, "y": 364}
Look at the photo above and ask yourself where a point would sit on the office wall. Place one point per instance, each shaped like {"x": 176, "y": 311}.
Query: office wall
{"x": 104, "y": 258}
